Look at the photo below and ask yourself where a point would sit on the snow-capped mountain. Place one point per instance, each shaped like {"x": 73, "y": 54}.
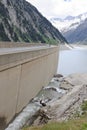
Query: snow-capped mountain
{"x": 68, "y": 23}
{"x": 73, "y": 28}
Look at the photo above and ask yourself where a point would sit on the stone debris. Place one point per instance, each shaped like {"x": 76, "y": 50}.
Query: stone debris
{"x": 66, "y": 85}
{"x": 58, "y": 75}
{"x": 76, "y": 79}
{"x": 62, "y": 108}
{"x": 70, "y": 103}
{"x": 58, "y": 101}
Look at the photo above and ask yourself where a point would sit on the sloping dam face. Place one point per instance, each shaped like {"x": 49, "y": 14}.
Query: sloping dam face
{"x": 23, "y": 72}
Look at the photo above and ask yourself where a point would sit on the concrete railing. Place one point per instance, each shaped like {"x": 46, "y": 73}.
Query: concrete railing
{"x": 23, "y": 72}
{"x": 18, "y": 44}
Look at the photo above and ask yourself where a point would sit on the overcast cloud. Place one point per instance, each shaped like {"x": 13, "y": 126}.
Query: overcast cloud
{"x": 60, "y": 8}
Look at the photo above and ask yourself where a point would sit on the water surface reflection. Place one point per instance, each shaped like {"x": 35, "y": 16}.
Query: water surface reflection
{"x": 72, "y": 61}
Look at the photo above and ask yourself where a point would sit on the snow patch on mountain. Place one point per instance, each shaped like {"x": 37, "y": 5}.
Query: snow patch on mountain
{"x": 68, "y": 23}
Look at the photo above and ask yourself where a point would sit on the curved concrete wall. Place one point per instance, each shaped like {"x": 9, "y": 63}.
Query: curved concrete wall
{"x": 22, "y": 75}
{"x": 18, "y": 44}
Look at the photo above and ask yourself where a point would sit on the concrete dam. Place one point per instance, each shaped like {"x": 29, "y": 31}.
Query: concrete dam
{"x": 24, "y": 69}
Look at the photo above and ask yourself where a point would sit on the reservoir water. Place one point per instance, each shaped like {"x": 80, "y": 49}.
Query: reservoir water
{"x": 72, "y": 61}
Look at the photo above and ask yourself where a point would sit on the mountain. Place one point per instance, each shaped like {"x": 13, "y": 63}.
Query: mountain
{"x": 78, "y": 35}
{"x": 72, "y": 27}
{"x": 21, "y": 21}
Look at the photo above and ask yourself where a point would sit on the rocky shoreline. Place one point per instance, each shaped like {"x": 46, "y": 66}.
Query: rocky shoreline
{"x": 68, "y": 106}
{"x": 61, "y": 100}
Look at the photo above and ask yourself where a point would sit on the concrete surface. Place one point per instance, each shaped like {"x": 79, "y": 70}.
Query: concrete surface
{"x": 23, "y": 72}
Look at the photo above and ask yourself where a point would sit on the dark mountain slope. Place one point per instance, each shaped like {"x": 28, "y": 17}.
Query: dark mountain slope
{"x": 20, "y": 21}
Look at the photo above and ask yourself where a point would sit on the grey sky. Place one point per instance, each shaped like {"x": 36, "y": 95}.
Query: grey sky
{"x": 60, "y": 8}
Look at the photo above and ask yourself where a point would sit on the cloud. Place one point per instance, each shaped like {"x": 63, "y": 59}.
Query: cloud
{"x": 60, "y": 8}
{"x": 67, "y": 0}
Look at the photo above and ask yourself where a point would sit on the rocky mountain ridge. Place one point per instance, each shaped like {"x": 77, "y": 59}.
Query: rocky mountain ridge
{"x": 21, "y": 21}
{"x": 77, "y": 35}
{"x": 69, "y": 22}
{"x": 73, "y": 28}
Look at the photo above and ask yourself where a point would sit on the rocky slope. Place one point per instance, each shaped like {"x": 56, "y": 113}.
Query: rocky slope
{"x": 20, "y": 21}
{"x": 69, "y": 105}
{"x": 64, "y": 98}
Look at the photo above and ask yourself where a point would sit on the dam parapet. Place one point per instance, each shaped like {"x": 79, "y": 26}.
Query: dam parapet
{"x": 23, "y": 72}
